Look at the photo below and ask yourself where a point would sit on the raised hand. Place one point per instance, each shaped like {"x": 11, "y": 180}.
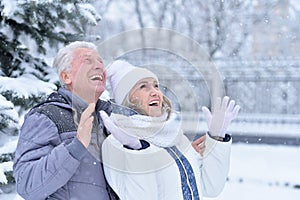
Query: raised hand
{"x": 223, "y": 114}
{"x": 120, "y": 134}
{"x": 85, "y": 125}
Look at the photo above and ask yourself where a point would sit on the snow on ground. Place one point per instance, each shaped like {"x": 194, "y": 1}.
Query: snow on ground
{"x": 237, "y": 191}
{"x": 259, "y": 172}
{"x": 262, "y": 172}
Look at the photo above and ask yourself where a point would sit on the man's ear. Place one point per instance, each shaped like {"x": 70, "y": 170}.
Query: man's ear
{"x": 66, "y": 77}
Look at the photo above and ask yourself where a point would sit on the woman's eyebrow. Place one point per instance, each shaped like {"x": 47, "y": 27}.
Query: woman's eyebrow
{"x": 142, "y": 82}
{"x": 150, "y": 81}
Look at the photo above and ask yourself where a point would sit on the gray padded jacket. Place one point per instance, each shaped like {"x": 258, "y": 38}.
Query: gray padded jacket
{"x": 50, "y": 162}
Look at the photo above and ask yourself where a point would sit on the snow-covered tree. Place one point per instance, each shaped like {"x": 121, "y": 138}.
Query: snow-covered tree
{"x": 220, "y": 27}
{"x": 244, "y": 29}
{"x": 30, "y": 34}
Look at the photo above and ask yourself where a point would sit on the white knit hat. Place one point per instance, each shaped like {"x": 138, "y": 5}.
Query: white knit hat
{"x": 123, "y": 76}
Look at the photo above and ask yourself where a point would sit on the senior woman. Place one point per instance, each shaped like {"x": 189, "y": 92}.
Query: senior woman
{"x": 147, "y": 155}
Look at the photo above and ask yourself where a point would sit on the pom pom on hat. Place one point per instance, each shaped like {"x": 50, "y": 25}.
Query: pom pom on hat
{"x": 123, "y": 76}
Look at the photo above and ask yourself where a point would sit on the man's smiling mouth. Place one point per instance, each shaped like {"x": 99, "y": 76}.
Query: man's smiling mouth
{"x": 97, "y": 78}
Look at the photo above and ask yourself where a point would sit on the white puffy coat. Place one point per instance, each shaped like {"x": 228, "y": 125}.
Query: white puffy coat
{"x": 153, "y": 174}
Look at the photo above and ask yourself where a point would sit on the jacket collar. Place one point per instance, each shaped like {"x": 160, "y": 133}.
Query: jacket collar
{"x": 79, "y": 104}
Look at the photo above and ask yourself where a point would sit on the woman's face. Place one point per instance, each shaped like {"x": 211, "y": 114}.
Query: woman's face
{"x": 147, "y": 96}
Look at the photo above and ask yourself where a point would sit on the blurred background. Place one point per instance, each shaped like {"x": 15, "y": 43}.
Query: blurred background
{"x": 254, "y": 45}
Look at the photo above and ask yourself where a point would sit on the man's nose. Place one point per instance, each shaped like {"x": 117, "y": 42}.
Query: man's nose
{"x": 99, "y": 65}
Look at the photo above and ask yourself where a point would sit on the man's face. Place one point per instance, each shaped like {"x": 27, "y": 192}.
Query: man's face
{"x": 87, "y": 77}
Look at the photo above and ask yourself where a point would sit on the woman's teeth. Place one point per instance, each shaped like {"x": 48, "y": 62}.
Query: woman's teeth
{"x": 153, "y": 103}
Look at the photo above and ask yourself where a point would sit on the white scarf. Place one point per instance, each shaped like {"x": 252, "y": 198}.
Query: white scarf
{"x": 155, "y": 130}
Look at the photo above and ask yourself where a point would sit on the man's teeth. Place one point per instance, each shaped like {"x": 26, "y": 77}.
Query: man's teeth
{"x": 97, "y": 77}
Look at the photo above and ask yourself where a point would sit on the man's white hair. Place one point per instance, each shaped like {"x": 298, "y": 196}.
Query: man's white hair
{"x": 64, "y": 57}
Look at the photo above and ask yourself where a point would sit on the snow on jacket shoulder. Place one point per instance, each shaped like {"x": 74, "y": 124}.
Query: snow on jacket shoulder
{"x": 154, "y": 174}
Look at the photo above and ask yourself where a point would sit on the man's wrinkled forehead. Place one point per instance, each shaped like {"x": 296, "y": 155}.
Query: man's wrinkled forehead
{"x": 84, "y": 53}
